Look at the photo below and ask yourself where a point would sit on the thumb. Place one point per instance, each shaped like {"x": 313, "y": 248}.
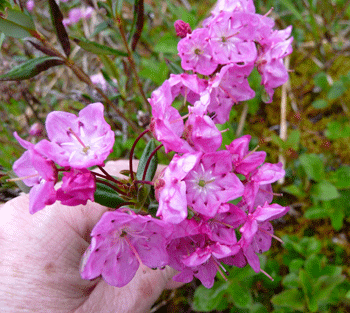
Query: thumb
{"x": 137, "y": 296}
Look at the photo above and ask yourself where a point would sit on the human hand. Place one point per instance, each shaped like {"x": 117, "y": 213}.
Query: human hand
{"x": 40, "y": 256}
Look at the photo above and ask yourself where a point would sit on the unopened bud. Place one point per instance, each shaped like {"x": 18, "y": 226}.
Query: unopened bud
{"x": 37, "y": 130}
{"x": 182, "y": 28}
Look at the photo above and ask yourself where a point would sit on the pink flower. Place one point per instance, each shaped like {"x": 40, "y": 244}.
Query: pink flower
{"x": 30, "y": 5}
{"x": 195, "y": 52}
{"x": 197, "y": 256}
{"x": 76, "y": 14}
{"x": 211, "y": 183}
{"x": 120, "y": 242}
{"x": 231, "y": 37}
{"x": 257, "y": 232}
{"x": 171, "y": 189}
{"x": 265, "y": 175}
{"x": 221, "y": 228}
{"x": 243, "y": 161}
{"x": 182, "y": 28}
{"x": 79, "y": 142}
{"x": 226, "y": 89}
{"x": 270, "y": 60}
{"x": 37, "y": 130}
{"x": 41, "y": 176}
{"x": 78, "y": 187}
{"x": 202, "y": 133}
{"x": 189, "y": 86}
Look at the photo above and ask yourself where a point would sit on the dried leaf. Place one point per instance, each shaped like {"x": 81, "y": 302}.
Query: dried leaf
{"x": 61, "y": 32}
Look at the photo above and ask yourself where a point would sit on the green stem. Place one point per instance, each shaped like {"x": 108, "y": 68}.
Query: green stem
{"x": 132, "y": 62}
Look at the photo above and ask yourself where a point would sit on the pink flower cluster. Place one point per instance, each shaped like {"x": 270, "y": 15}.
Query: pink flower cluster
{"x": 198, "y": 223}
{"x": 232, "y": 42}
{"x": 75, "y": 144}
{"x": 215, "y": 206}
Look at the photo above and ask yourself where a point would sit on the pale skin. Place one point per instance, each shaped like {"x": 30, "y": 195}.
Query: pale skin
{"x": 40, "y": 256}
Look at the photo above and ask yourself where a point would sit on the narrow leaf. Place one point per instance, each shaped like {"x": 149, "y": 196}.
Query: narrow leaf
{"x": 13, "y": 29}
{"x": 20, "y": 18}
{"x": 97, "y": 48}
{"x": 31, "y": 68}
{"x": 152, "y": 165}
{"x": 110, "y": 66}
{"x": 290, "y": 298}
{"x": 43, "y": 49}
{"x": 57, "y": 18}
{"x": 107, "y": 196}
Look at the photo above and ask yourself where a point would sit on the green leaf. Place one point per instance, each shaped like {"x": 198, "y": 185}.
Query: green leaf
{"x": 336, "y": 130}
{"x": 291, "y": 298}
{"x": 97, "y": 48}
{"x": 118, "y": 5}
{"x": 20, "y": 18}
{"x": 278, "y": 141}
{"x": 258, "y": 308}
{"x": 341, "y": 177}
{"x": 107, "y": 196}
{"x": 241, "y": 295}
{"x": 337, "y": 218}
{"x": 295, "y": 265}
{"x": 325, "y": 191}
{"x": 306, "y": 284}
{"x": 2, "y": 37}
{"x": 154, "y": 70}
{"x": 291, "y": 281}
{"x": 324, "y": 287}
{"x": 313, "y": 166}
{"x": 167, "y": 44}
{"x": 291, "y": 7}
{"x": 313, "y": 246}
{"x": 294, "y": 190}
{"x": 293, "y": 139}
{"x": 13, "y": 29}
{"x": 320, "y": 104}
{"x": 142, "y": 196}
{"x": 31, "y": 68}
{"x": 313, "y": 266}
{"x": 336, "y": 90}
{"x": 150, "y": 147}
{"x": 207, "y": 300}
{"x": 110, "y": 67}
{"x": 316, "y": 212}
{"x": 321, "y": 81}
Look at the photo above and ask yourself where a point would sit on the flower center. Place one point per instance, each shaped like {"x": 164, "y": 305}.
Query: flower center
{"x": 198, "y": 51}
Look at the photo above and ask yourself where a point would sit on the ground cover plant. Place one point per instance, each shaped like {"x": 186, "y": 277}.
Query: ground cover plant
{"x": 120, "y": 53}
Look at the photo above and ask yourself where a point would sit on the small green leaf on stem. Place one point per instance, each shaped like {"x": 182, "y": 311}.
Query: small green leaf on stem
{"x": 97, "y": 48}
{"x": 107, "y": 196}
{"x": 151, "y": 170}
{"x": 31, "y": 68}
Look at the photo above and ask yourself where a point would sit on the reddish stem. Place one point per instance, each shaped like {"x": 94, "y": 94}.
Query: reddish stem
{"x": 109, "y": 176}
{"x": 143, "y": 182}
{"x": 110, "y": 185}
{"x": 149, "y": 161}
{"x": 132, "y": 152}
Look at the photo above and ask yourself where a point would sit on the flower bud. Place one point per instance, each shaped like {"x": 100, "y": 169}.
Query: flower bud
{"x": 182, "y": 28}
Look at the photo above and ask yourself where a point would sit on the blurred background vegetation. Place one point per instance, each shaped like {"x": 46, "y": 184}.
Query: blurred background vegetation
{"x": 306, "y": 127}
